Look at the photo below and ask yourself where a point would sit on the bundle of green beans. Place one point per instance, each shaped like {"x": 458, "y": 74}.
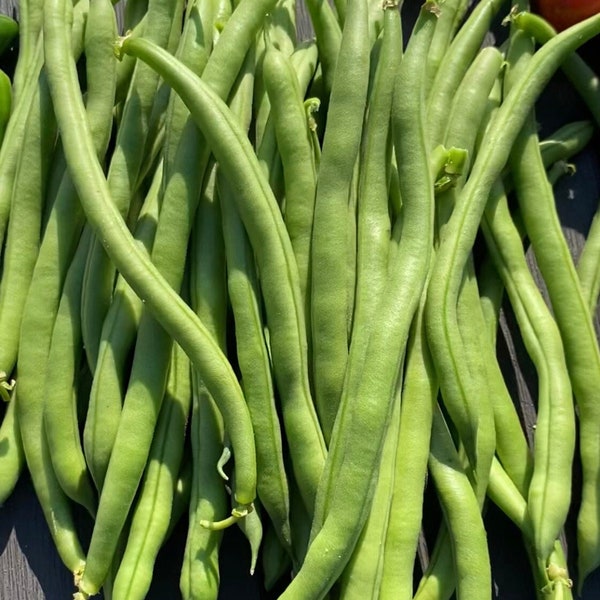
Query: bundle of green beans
{"x": 240, "y": 285}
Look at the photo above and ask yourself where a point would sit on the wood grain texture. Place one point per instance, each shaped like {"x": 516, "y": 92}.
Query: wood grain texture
{"x": 30, "y": 568}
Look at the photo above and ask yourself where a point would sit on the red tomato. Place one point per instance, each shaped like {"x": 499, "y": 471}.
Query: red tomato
{"x": 564, "y": 13}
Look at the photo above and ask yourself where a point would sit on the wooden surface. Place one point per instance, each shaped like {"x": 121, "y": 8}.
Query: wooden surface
{"x": 30, "y": 568}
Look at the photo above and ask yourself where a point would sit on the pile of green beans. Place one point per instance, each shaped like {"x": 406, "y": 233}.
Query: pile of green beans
{"x": 256, "y": 281}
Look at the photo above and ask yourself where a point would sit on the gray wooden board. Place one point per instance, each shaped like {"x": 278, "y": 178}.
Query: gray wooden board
{"x": 30, "y": 568}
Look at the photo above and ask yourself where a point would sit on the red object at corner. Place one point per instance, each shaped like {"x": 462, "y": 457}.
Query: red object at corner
{"x": 564, "y": 13}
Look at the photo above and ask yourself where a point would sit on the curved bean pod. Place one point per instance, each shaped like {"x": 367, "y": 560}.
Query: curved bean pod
{"x": 134, "y": 263}
{"x": 278, "y": 272}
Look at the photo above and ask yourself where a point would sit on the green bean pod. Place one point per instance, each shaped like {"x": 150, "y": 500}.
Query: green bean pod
{"x": 304, "y": 60}
{"x": 13, "y": 459}
{"x": 581, "y": 350}
{"x": 462, "y": 227}
{"x": 123, "y": 175}
{"x": 39, "y": 311}
{"x": 152, "y": 513}
{"x": 299, "y": 169}
{"x": 469, "y": 543}
{"x": 61, "y": 423}
{"x": 30, "y": 27}
{"x": 116, "y": 343}
{"x": 587, "y": 266}
{"x": 329, "y": 38}
{"x": 9, "y": 29}
{"x": 5, "y": 102}
{"x": 200, "y": 573}
{"x": 329, "y": 292}
{"x": 333, "y": 543}
{"x": 281, "y": 29}
{"x": 549, "y": 494}
{"x": 419, "y": 394}
{"x": 373, "y": 231}
{"x": 24, "y": 226}
{"x": 362, "y": 577}
{"x": 583, "y": 78}
{"x": 451, "y": 14}
{"x": 255, "y": 368}
{"x": 132, "y": 262}
{"x": 278, "y": 273}
{"x": 457, "y": 59}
